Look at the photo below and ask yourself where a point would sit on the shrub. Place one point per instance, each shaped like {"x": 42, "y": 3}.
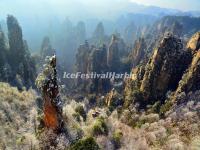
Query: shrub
{"x": 165, "y": 107}
{"x": 92, "y": 99}
{"x": 135, "y": 96}
{"x": 99, "y": 127}
{"x": 80, "y": 110}
{"x": 156, "y": 107}
{"x": 85, "y": 144}
{"x": 76, "y": 116}
{"x": 116, "y": 137}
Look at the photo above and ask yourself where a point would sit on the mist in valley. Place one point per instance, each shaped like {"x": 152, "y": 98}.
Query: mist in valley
{"x": 55, "y": 56}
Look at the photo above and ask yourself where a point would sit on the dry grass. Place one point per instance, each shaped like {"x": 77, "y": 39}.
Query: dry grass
{"x": 17, "y": 114}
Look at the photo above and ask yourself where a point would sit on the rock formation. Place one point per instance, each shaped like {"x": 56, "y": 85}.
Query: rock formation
{"x": 90, "y": 59}
{"x": 130, "y": 33}
{"x": 99, "y": 37}
{"x": 150, "y": 82}
{"x": 164, "y": 69}
{"x": 46, "y": 48}
{"x": 3, "y": 56}
{"x": 113, "y": 58}
{"x": 190, "y": 81}
{"x": 47, "y": 83}
{"x": 97, "y": 64}
{"x": 138, "y": 52}
{"x": 22, "y": 65}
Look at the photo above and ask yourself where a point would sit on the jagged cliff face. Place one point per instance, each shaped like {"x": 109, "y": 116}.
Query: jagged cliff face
{"x": 82, "y": 57}
{"x": 99, "y": 60}
{"x": 130, "y": 33}
{"x": 90, "y": 59}
{"x": 16, "y": 64}
{"x": 3, "y": 55}
{"x": 46, "y": 48}
{"x": 162, "y": 72}
{"x": 113, "y": 59}
{"x": 181, "y": 26}
{"x": 164, "y": 69}
{"x": 138, "y": 53}
{"x": 97, "y": 63}
{"x": 191, "y": 79}
{"x": 194, "y": 43}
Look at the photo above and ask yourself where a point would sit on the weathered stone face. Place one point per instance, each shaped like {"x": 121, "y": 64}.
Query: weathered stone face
{"x": 82, "y": 58}
{"x": 113, "y": 59}
{"x": 164, "y": 69}
{"x": 46, "y": 48}
{"x": 52, "y": 108}
{"x": 191, "y": 79}
{"x": 138, "y": 52}
{"x": 194, "y": 43}
{"x": 92, "y": 60}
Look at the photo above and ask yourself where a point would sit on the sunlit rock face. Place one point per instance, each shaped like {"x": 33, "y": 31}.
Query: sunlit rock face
{"x": 191, "y": 79}
{"x": 138, "y": 52}
{"x": 152, "y": 80}
{"x": 164, "y": 69}
{"x": 194, "y": 43}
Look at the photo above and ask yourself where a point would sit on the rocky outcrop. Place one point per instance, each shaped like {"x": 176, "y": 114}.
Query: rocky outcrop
{"x": 130, "y": 33}
{"x": 99, "y": 37}
{"x": 194, "y": 43}
{"x": 98, "y": 60}
{"x": 164, "y": 69}
{"x": 113, "y": 99}
{"x": 191, "y": 79}
{"x": 82, "y": 57}
{"x": 52, "y": 109}
{"x": 97, "y": 64}
{"x": 46, "y": 48}
{"x": 113, "y": 58}
{"x": 92, "y": 60}
{"x": 138, "y": 52}
{"x": 3, "y": 56}
{"x": 152, "y": 80}
{"x": 20, "y": 66}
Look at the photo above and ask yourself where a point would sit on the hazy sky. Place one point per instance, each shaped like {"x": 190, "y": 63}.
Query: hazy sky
{"x": 184, "y": 5}
{"x": 82, "y": 8}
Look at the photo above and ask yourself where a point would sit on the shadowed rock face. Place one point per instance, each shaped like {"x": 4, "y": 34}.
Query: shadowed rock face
{"x": 97, "y": 63}
{"x": 90, "y": 59}
{"x": 191, "y": 79}
{"x": 113, "y": 58}
{"x": 82, "y": 57}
